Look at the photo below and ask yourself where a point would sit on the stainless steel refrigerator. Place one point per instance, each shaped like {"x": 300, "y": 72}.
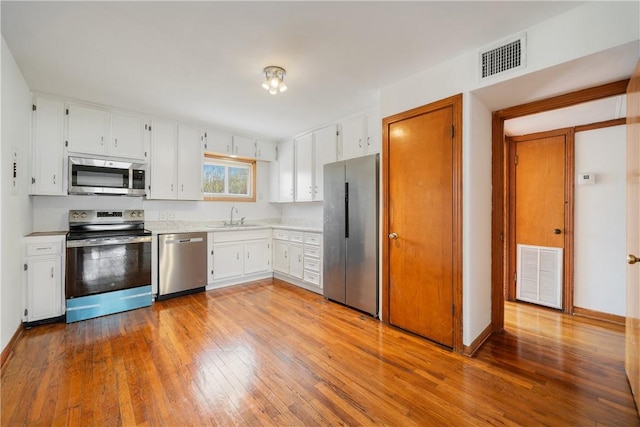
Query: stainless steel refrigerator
{"x": 350, "y": 233}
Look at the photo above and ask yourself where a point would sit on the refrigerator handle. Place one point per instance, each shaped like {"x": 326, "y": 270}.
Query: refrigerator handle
{"x": 346, "y": 210}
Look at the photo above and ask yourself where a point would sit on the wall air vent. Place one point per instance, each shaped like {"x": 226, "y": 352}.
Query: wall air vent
{"x": 508, "y": 55}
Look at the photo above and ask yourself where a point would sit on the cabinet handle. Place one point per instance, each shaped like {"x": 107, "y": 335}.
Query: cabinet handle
{"x": 182, "y": 187}
{"x": 316, "y": 189}
{"x": 368, "y": 140}
{"x": 116, "y": 142}
{"x": 54, "y": 179}
{"x": 52, "y": 272}
{"x": 102, "y": 140}
{"x": 171, "y": 187}
{"x": 309, "y": 189}
{"x": 360, "y": 143}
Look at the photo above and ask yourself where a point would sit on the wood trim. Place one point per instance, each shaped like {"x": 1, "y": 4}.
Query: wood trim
{"x": 471, "y": 349}
{"x": 455, "y": 102}
{"x": 500, "y": 180}
{"x": 566, "y": 100}
{"x": 598, "y": 315}
{"x": 569, "y": 235}
{"x": 601, "y": 125}
{"x": 12, "y": 342}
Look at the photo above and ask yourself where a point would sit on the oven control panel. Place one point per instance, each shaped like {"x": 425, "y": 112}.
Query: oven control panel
{"x": 97, "y": 217}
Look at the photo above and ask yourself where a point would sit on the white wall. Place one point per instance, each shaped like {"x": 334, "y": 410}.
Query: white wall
{"x": 600, "y": 221}
{"x": 51, "y": 213}
{"x": 16, "y": 217}
{"x": 585, "y": 30}
{"x": 311, "y": 212}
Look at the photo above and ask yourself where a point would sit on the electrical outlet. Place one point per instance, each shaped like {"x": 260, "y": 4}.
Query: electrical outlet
{"x": 14, "y": 172}
{"x": 171, "y": 216}
{"x": 162, "y": 216}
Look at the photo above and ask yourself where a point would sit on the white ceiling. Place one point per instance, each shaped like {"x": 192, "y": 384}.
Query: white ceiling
{"x": 202, "y": 61}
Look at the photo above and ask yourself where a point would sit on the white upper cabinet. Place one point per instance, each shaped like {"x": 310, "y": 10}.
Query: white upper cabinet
{"x": 128, "y": 135}
{"x": 244, "y": 147}
{"x": 48, "y": 148}
{"x": 360, "y": 136}
{"x": 325, "y": 151}
{"x": 190, "y": 156}
{"x": 176, "y": 161}
{"x": 164, "y": 167}
{"x": 100, "y": 132}
{"x": 285, "y": 171}
{"x": 219, "y": 142}
{"x": 304, "y": 168}
{"x": 230, "y": 145}
{"x": 89, "y": 130}
{"x": 265, "y": 151}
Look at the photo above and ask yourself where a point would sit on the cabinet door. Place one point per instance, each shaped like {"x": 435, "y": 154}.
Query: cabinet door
{"x": 88, "y": 130}
{"x": 244, "y": 147}
{"x": 304, "y": 168}
{"x": 127, "y": 136}
{"x": 48, "y": 148}
{"x": 44, "y": 288}
{"x": 353, "y": 144}
{"x": 281, "y": 256}
{"x": 296, "y": 261}
{"x": 274, "y": 181}
{"x": 325, "y": 151}
{"x": 164, "y": 172}
{"x": 374, "y": 132}
{"x": 227, "y": 260}
{"x": 219, "y": 142}
{"x": 285, "y": 163}
{"x": 265, "y": 151}
{"x": 190, "y": 143}
{"x": 257, "y": 256}
{"x": 210, "y": 257}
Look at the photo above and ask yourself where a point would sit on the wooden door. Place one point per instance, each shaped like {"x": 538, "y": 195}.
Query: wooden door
{"x": 541, "y": 198}
{"x": 421, "y": 218}
{"x": 632, "y": 347}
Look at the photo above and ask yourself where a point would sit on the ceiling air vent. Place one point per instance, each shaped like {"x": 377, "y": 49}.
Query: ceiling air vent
{"x": 506, "y": 56}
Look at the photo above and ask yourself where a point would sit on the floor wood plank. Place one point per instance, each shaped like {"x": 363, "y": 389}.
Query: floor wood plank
{"x": 268, "y": 353}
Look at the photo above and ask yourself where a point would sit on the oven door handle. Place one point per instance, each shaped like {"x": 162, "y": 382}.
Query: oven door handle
{"x": 107, "y": 241}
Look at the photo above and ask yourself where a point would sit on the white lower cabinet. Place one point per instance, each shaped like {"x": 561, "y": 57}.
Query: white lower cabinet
{"x": 238, "y": 256}
{"x": 44, "y": 277}
{"x": 297, "y": 258}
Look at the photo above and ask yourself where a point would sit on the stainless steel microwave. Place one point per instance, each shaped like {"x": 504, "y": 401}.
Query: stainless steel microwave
{"x": 99, "y": 176}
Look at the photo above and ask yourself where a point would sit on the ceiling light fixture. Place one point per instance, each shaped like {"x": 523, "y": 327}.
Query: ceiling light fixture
{"x": 274, "y": 79}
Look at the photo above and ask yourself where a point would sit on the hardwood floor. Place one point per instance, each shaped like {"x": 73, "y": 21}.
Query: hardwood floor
{"x": 268, "y": 353}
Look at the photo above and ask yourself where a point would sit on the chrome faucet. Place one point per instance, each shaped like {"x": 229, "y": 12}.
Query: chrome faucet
{"x": 232, "y": 209}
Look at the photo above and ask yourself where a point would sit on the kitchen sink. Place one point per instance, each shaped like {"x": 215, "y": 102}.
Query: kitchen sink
{"x": 223, "y": 226}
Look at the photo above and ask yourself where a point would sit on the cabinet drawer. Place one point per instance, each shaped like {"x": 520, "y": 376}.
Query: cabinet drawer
{"x": 281, "y": 234}
{"x": 313, "y": 251}
{"x": 312, "y": 277}
{"x": 312, "y": 238}
{"x": 44, "y": 248}
{"x": 296, "y": 236}
{"x": 312, "y": 264}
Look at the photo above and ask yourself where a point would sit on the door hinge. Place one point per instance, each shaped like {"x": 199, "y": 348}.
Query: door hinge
{"x": 67, "y": 111}
{"x": 515, "y": 276}
{"x": 501, "y": 236}
{"x": 26, "y": 312}
{"x": 25, "y": 266}
{"x": 515, "y": 159}
{"x": 453, "y": 130}
{"x": 33, "y": 107}
{"x": 453, "y": 309}
{"x": 33, "y": 180}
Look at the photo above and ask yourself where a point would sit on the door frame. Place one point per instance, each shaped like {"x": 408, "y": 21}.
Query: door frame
{"x": 455, "y": 102}
{"x": 500, "y": 216}
{"x": 569, "y": 198}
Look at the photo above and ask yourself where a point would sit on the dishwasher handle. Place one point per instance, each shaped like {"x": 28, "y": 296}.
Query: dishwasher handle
{"x": 178, "y": 241}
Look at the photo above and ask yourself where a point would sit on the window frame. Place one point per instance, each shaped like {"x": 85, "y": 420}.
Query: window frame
{"x": 211, "y": 158}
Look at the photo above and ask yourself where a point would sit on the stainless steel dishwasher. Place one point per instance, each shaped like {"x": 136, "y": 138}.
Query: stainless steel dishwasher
{"x": 182, "y": 264}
